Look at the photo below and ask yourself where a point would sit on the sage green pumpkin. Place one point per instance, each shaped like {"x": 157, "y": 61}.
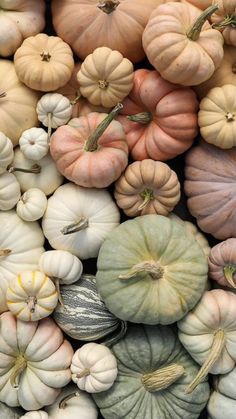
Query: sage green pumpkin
{"x": 153, "y": 371}
{"x": 150, "y": 270}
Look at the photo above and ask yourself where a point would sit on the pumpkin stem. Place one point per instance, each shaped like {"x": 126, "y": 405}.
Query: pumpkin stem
{"x": 147, "y": 196}
{"x": 92, "y": 142}
{"x": 18, "y": 368}
{"x": 83, "y": 373}
{"x": 229, "y": 20}
{"x": 3, "y": 94}
{"x": 142, "y": 117}
{"x": 57, "y": 285}
{"x": 149, "y": 267}
{"x": 108, "y": 6}
{"x": 5, "y": 252}
{"x": 34, "y": 169}
{"x": 162, "y": 378}
{"x": 103, "y": 84}
{"x": 195, "y": 30}
{"x": 81, "y": 224}
{"x": 216, "y": 349}
{"x": 76, "y": 99}
{"x": 63, "y": 402}
{"x": 31, "y": 301}
{"x": 112, "y": 340}
{"x": 229, "y": 271}
{"x": 46, "y": 56}
{"x": 49, "y": 125}
{"x": 229, "y": 116}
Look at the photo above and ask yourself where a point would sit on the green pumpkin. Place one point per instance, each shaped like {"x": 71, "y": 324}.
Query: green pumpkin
{"x": 153, "y": 371}
{"x": 150, "y": 270}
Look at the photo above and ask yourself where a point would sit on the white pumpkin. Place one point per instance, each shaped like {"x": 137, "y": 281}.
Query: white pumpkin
{"x": 222, "y": 402}
{"x": 78, "y": 219}
{"x": 47, "y": 178}
{"x": 32, "y": 205}
{"x": 94, "y": 368}
{"x": 9, "y": 191}
{"x": 31, "y": 296}
{"x": 35, "y": 360}
{"x": 6, "y": 152}
{"x": 3, "y": 290}
{"x": 35, "y": 414}
{"x": 34, "y": 143}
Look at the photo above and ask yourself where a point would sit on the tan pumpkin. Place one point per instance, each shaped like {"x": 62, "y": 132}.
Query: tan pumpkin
{"x": 44, "y": 62}
{"x": 224, "y": 19}
{"x": 147, "y": 187}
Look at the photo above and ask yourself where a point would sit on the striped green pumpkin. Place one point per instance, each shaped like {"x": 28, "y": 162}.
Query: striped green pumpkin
{"x": 84, "y": 315}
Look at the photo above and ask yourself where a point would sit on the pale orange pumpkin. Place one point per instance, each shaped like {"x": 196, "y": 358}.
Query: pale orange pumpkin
{"x": 225, "y": 20}
{"x": 162, "y": 117}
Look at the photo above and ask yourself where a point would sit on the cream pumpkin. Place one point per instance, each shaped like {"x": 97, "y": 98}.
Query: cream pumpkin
{"x": 9, "y": 191}
{"x": 34, "y": 143}
{"x": 6, "y": 152}
{"x": 32, "y": 205}
{"x": 61, "y": 265}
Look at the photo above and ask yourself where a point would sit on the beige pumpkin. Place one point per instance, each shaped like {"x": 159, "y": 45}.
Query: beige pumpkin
{"x": 147, "y": 187}
{"x": 9, "y": 191}
{"x": 44, "y": 62}
{"x": 32, "y": 205}
{"x": 6, "y": 152}
{"x": 34, "y": 143}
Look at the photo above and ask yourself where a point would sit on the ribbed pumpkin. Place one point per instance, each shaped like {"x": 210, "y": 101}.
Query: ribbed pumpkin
{"x": 222, "y": 402}
{"x": 222, "y": 263}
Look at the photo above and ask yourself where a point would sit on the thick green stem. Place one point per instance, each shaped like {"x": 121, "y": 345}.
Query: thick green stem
{"x": 17, "y": 370}
{"x": 108, "y": 6}
{"x": 34, "y": 169}
{"x": 81, "y": 224}
{"x": 5, "y": 252}
{"x": 215, "y": 352}
{"x": 148, "y": 267}
{"x": 195, "y": 30}
{"x": 229, "y": 271}
{"x": 92, "y": 142}
{"x": 162, "y": 378}
{"x": 142, "y": 118}
{"x": 147, "y": 196}
{"x": 229, "y": 20}
{"x": 63, "y": 402}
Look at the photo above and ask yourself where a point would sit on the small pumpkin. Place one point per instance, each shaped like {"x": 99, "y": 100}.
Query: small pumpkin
{"x": 9, "y": 191}
{"x": 35, "y": 414}
{"x": 44, "y": 62}
{"x": 93, "y": 368}
{"x": 6, "y": 152}
{"x": 222, "y": 402}
{"x": 32, "y": 205}
{"x": 34, "y": 143}
{"x": 222, "y": 263}
{"x": 224, "y": 19}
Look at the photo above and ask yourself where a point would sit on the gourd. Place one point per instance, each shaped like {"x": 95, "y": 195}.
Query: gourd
{"x": 9, "y": 191}
{"x": 147, "y": 187}
{"x": 181, "y": 45}
{"x": 222, "y": 263}
{"x": 17, "y": 103}
{"x": 31, "y": 296}
{"x": 35, "y": 414}
{"x": 208, "y": 333}
{"x": 10, "y": 412}
{"x": 153, "y": 369}
{"x": 36, "y": 362}
{"x": 93, "y": 368}
{"x": 216, "y": 117}
{"x": 6, "y": 152}
{"x": 34, "y": 143}
{"x": 159, "y": 118}
{"x": 224, "y": 20}
{"x": 79, "y": 219}
{"x": 105, "y": 77}
{"x": 222, "y": 402}
{"x": 92, "y": 151}
{"x": 44, "y": 62}
{"x": 146, "y": 257}
{"x": 84, "y": 315}
{"x": 32, "y": 205}
{"x": 19, "y": 20}
{"x": 74, "y": 21}
{"x": 210, "y": 189}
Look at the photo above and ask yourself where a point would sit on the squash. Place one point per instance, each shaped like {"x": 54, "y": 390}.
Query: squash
{"x": 35, "y": 414}
{"x": 153, "y": 369}
{"x": 222, "y": 402}
{"x": 224, "y": 20}
{"x": 86, "y": 25}
{"x": 9, "y": 191}
{"x": 93, "y": 368}
{"x": 154, "y": 263}
{"x": 10, "y": 412}
{"x": 216, "y": 117}
{"x": 17, "y": 103}
{"x": 210, "y": 188}
{"x": 181, "y": 45}
{"x": 92, "y": 151}
{"x": 36, "y": 362}
{"x": 32, "y": 205}
{"x": 84, "y": 315}
{"x": 79, "y": 219}
{"x": 222, "y": 263}
{"x": 159, "y": 118}
{"x": 147, "y": 187}
{"x": 201, "y": 4}
{"x": 6, "y": 152}
{"x": 34, "y": 143}
{"x": 44, "y": 62}
{"x": 208, "y": 333}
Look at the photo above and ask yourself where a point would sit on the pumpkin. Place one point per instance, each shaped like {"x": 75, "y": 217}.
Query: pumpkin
{"x": 86, "y": 25}
{"x": 9, "y": 191}
{"x": 201, "y": 4}
{"x": 94, "y": 141}
{"x": 208, "y": 333}
{"x": 44, "y": 62}
{"x": 216, "y": 117}
{"x": 36, "y": 362}
{"x": 222, "y": 402}
{"x": 35, "y": 414}
{"x": 10, "y": 412}
{"x": 17, "y": 103}
{"x": 31, "y": 174}
{"x": 159, "y": 118}
{"x": 105, "y": 77}
{"x": 153, "y": 369}
{"x": 3, "y": 289}
{"x": 85, "y": 218}
{"x": 210, "y": 189}
{"x": 93, "y": 368}
{"x": 222, "y": 263}
{"x": 31, "y": 296}
{"x": 84, "y": 315}
{"x": 147, "y": 187}
{"x": 32, "y": 205}
{"x": 152, "y": 258}
{"x": 180, "y": 43}
{"x": 224, "y": 20}
{"x": 34, "y": 143}
{"x": 6, "y": 152}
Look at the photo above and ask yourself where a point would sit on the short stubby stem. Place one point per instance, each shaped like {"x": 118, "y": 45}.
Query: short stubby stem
{"x": 63, "y": 402}
{"x": 162, "y": 378}
{"x": 83, "y": 373}
{"x": 148, "y": 267}
{"x": 229, "y": 116}
{"x": 46, "y": 56}
{"x": 31, "y": 302}
{"x": 229, "y": 271}
{"x": 49, "y": 125}
{"x": 143, "y": 118}
{"x": 147, "y": 196}
{"x": 5, "y": 252}
{"x": 57, "y": 285}
{"x": 195, "y": 30}
{"x": 35, "y": 168}
{"x": 108, "y": 6}
{"x": 81, "y": 224}
{"x": 17, "y": 370}
{"x": 103, "y": 84}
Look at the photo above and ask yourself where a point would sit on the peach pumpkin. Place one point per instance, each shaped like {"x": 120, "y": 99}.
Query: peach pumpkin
{"x": 225, "y": 20}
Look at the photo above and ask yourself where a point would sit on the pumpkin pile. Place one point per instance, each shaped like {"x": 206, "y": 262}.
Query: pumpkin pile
{"x": 114, "y": 114}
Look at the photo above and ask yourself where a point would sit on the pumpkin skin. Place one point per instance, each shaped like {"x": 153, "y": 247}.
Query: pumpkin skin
{"x": 172, "y": 117}
{"x": 179, "y": 58}
{"x": 135, "y": 260}
{"x": 32, "y": 205}
{"x": 226, "y": 10}
{"x": 6, "y": 152}
{"x": 9, "y": 191}
{"x": 158, "y": 347}
{"x": 222, "y": 402}
{"x": 210, "y": 173}
{"x": 85, "y": 26}
{"x": 61, "y": 265}
{"x": 54, "y": 110}
{"x": 36, "y": 414}
{"x": 34, "y": 143}
{"x": 222, "y": 263}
